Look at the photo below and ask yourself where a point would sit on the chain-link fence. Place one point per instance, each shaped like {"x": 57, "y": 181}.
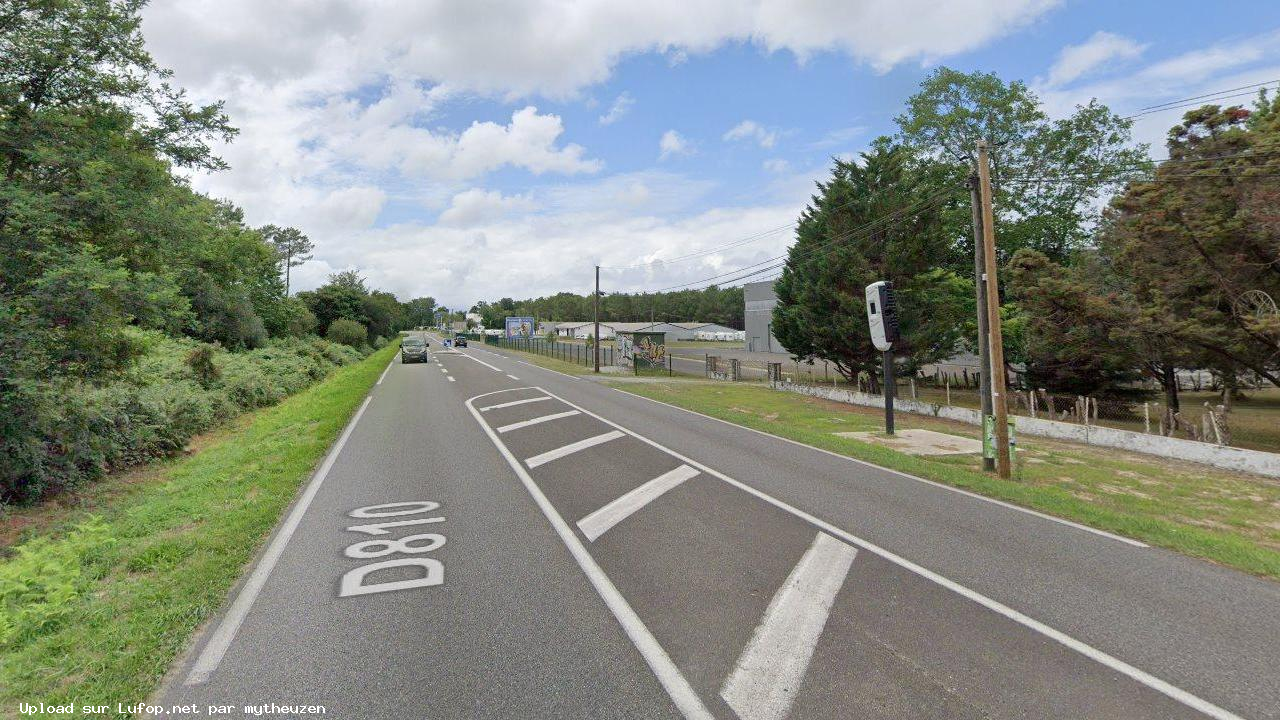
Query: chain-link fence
{"x": 1252, "y": 421}
{"x": 576, "y": 353}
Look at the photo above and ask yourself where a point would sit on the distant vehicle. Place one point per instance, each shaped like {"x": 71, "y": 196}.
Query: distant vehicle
{"x": 414, "y": 350}
{"x": 460, "y": 341}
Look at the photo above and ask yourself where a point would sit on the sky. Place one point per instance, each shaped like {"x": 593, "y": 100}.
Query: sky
{"x": 477, "y": 150}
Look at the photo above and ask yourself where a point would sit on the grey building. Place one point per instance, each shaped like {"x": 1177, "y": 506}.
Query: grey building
{"x": 760, "y": 300}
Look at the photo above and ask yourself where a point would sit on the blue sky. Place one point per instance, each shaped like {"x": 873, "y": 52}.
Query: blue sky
{"x": 477, "y": 152}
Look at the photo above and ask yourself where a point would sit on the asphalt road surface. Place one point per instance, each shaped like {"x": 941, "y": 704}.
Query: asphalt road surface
{"x": 491, "y": 539}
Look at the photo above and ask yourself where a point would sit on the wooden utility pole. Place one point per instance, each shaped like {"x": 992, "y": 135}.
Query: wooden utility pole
{"x": 596, "y": 344}
{"x": 999, "y": 402}
{"x": 980, "y": 291}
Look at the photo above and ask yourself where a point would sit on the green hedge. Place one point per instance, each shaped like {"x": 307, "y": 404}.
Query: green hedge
{"x": 59, "y": 435}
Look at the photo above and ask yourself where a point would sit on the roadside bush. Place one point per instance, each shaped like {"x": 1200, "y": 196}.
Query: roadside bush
{"x": 57, "y": 435}
{"x": 379, "y": 343}
{"x": 347, "y": 332}
{"x": 200, "y": 360}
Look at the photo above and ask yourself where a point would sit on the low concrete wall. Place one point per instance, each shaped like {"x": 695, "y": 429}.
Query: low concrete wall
{"x": 1230, "y": 458}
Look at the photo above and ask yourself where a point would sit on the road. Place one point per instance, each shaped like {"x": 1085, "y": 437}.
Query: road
{"x": 491, "y": 539}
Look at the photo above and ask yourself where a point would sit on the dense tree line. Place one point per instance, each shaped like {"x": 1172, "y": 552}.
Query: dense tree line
{"x": 106, "y": 252}
{"x": 711, "y": 304}
{"x": 1179, "y": 271}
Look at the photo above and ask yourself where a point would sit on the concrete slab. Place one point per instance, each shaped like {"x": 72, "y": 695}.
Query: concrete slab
{"x": 920, "y": 442}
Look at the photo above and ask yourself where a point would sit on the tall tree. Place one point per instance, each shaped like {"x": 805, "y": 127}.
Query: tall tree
{"x": 877, "y": 219}
{"x": 953, "y": 111}
{"x": 293, "y": 247}
{"x": 1197, "y": 247}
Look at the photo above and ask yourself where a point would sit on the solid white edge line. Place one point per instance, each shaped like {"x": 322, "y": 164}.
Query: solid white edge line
{"x": 513, "y": 403}
{"x": 1058, "y": 636}
{"x": 602, "y": 520}
{"x": 537, "y": 421}
{"x": 213, "y": 651}
{"x": 472, "y": 357}
{"x": 384, "y": 372}
{"x": 573, "y": 447}
{"x": 677, "y": 687}
{"x": 767, "y": 677}
{"x": 934, "y": 483}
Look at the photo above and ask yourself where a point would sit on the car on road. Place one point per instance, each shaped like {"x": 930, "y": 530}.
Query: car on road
{"x": 414, "y": 350}
{"x": 460, "y": 341}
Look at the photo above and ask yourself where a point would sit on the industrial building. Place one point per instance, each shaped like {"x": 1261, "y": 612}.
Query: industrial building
{"x": 760, "y": 300}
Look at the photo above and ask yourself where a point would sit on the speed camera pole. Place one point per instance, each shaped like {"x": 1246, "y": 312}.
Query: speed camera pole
{"x": 999, "y": 401}
{"x": 596, "y": 298}
{"x": 882, "y": 319}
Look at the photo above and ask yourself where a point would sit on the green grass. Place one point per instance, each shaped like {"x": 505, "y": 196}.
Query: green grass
{"x": 1226, "y": 517}
{"x": 95, "y": 606}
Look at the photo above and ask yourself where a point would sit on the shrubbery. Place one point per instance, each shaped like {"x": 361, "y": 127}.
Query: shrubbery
{"x": 347, "y": 332}
{"x": 62, "y": 434}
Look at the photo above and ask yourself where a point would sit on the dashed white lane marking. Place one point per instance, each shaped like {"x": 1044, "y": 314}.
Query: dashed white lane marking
{"x": 1114, "y": 663}
{"x": 537, "y": 421}
{"x": 221, "y": 639}
{"x": 384, "y": 372}
{"x": 443, "y": 369}
{"x": 513, "y": 377}
{"x": 513, "y": 403}
{"x": 572, "y": 448}
{"x": 600, "y": 521}
{"x": 682, "y": 694}
{"x": 940, "y": 486}
{"x": 769, "y": 672}
{"x": 451, "y": 378}
{"x": 469, "y": 356}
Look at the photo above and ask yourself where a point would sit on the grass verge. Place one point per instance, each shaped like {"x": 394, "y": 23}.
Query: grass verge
{"x": 1229, "y": 518}
{"x": 95, "y": 606}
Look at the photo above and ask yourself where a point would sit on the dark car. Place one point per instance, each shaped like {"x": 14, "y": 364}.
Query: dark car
{"x": 414, "y": 350}
{"x": 460, "y": 341}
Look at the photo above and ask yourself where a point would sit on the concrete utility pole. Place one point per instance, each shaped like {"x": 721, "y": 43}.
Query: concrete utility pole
{"x": 980, "y": 291}
{"x": 995, "y": 368}
{"x": 596, "y": 298}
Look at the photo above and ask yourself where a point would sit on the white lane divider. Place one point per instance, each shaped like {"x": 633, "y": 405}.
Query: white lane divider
{"x": 768, "y": 674}
{"x": 537, "y": 421}
{"x": 513, "y": 377}
{"x": 211, "y": 656}
{"x": 469, "y": 356}
{"x": 572, "y": 448}
{"x": 677, "y": 687}
{"x": 600, "y": 521}
{"x": 513, "y": 403}
{"x": 451, "y": 379}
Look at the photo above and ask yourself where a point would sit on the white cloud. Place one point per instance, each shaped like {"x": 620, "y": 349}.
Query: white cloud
{"x": 776, "y": 165}
{"x": 342, "y": 108}
{"x": 1219, "y": 66}
{"x": 754, "y": 131}
{"x": 477, "y": 205}
{"x": 673, "y": 143}
{"x": 621, "y": 106}
{"x": 838, "y": 136}
{"x": 1076, "y": 61}
{"x": 524, "y": 47}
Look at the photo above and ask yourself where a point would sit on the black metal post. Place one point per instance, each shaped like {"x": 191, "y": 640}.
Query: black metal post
{"x": 888, "y": 392}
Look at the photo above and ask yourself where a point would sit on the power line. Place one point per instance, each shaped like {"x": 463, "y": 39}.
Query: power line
{"x": 846, "y": 235}
{"x": 1181, "y": 104}
{"x": 1197, "y": 97}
